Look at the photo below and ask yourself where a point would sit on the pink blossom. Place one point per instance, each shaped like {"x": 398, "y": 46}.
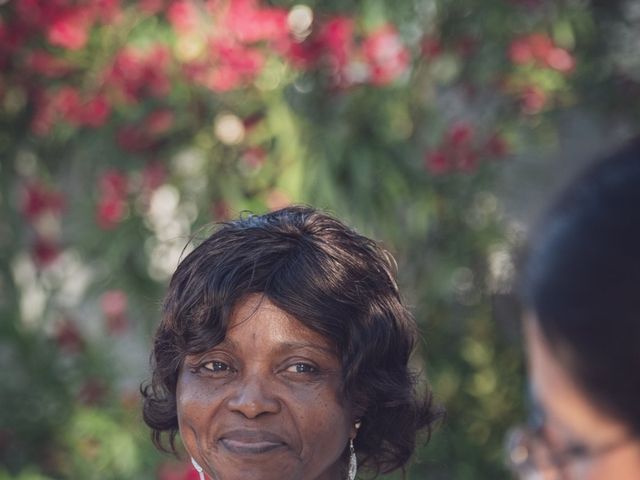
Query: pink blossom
{"x": 39, "y": 199}
{"x": 46, "y": 64}
{"x": 95, "y": 112}
{"x": 336, "y": 38}
{"x": 69, "y": 28}
{"x": 67, "y": 102}
{"x": 386, "y": 55}
{"x": 107, "y": 11}
{"x": 45, "y": 252}
{"x": 460, "y": 135}
{"x": 114, "y": 304}
{"x": 437, "y": 162}
{"x": 136, "y": 73}
{"x": 159, "y": 121}
{"x": 183, "y": 16}
{"x": 110, "y": 212}
{"x": 113, "y": 183}
{"x": 533, "y": 99}
{"x": 520, "y": 51}
{"x": 232, "y": 66}
{"x": 561, "y": 60}
{"x": 250, "y": 23}
{"x": 151, "y": 7}
{"x": 541, "y": 45}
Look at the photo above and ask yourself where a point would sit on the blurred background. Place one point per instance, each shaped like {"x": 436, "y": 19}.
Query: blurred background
{"x": 439, "y": 127}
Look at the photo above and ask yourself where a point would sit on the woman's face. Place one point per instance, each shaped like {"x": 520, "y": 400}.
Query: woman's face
{"x": 265, "y": 403}
{"x": 606, "y": 451}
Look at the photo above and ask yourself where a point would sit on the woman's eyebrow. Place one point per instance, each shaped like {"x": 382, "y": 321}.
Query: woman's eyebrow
{"x": 306, "y": 345}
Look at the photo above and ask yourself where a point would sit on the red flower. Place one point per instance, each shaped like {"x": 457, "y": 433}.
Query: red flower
{"x": 336, "y": 38}
{"x": 250, "y": 24}
{"x": 135, "y": 73}
{"x": 387, "y": 56}
{"x": 561, "y": 60}
{"x": 39, "y": 199}
{"x": 460, "y": 135}
{"x": 183, "y": 16}
{"x": 68, "y": 337}
{"x": 437, "y": 162}
{"x": 533, "y": 99}
{"x": 520, "y": 51}
{"x": 46, "y": 64}
{"x": 107, "y": 11}
{"x": 67, "y": 102}
{"x": 541, "y": 45}
{"x": 110, "y": 212}
{"x": 95, "y": 112}
{"x": 69, "y": 28}
{"x": 233, "y": 65}
{"x": 113, "y": 183}
{"x": 159, "y": 122}
{"x": 151, "y": 7}
{"x": 44, "y": 252}
{"x": 114, "y": 304}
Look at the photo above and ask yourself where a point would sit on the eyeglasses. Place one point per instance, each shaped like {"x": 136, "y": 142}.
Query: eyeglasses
{"x": 531, "y": 456}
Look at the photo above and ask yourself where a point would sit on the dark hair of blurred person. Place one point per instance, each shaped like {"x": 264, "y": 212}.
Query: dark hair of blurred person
{"x": 283, "y": 353}
{"x": 581, "y": 293}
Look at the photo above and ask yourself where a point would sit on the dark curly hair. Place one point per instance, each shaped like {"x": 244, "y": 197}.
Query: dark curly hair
{"x": 334, "y": 281}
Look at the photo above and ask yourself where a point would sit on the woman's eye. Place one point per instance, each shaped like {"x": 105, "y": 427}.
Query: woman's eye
{"x": 302, "y": 367}
{"x": 216, "y": 367}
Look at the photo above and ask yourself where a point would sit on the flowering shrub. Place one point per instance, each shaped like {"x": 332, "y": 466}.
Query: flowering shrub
{"x": 130, "y": 125}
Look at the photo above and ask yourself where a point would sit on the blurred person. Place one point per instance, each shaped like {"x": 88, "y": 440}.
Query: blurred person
{"x": 283, "y": 354}
{"x": 581, "y": 293}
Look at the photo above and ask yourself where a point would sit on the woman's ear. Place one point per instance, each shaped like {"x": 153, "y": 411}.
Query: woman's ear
{"x": 355, "y": 426}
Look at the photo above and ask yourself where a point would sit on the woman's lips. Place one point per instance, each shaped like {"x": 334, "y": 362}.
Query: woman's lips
{"x": 251, "y": 441}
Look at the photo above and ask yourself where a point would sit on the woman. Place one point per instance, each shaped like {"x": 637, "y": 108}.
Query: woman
{"x": 582, "y": 323}
{"x": 283, "y": 354}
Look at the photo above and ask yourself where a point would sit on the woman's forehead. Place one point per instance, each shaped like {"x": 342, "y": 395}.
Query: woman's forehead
{"x": 255, "y": 316}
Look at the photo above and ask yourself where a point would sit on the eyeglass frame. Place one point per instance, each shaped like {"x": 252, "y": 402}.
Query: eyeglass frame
{"x": 533, "y": 430}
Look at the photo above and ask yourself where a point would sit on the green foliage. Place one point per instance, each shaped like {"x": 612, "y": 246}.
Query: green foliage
{"x": 126, "y": 130}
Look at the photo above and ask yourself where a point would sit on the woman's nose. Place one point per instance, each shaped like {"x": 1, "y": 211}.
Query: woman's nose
{"x": 254, "y": 396}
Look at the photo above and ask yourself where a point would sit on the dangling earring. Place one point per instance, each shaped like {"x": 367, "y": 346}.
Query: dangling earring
{"x": 353, "y": 462}
{"x": 198, "y": 469}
